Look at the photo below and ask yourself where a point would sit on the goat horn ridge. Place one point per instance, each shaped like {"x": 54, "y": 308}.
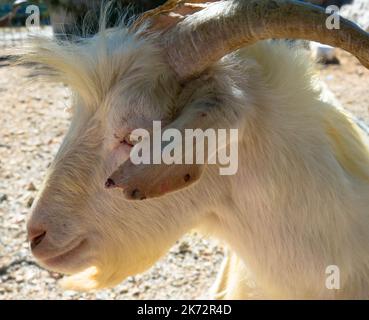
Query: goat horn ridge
{"x": 225, "y": 26}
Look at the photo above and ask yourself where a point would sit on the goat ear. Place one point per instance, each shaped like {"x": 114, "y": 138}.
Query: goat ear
{"x": 153, "y": 180}
{"x": 204, "y": 110}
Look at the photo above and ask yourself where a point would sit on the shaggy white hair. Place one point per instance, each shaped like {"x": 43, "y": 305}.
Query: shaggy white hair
{"x": 298, "y": 203}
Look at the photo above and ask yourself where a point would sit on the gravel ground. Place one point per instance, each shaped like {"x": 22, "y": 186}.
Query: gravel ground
{"x": 358, "y": 11}
{"x": 32, "y": 124}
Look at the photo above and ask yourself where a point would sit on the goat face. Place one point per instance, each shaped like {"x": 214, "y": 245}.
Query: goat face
{"x": 120, "y": 83}
{"x": 76, "y": 222}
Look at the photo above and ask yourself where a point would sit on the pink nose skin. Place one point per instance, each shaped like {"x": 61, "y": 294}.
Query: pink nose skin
{"x": 35, "y": 237}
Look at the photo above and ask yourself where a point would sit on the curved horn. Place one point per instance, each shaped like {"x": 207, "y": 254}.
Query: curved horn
{"x": 225, "y": 26}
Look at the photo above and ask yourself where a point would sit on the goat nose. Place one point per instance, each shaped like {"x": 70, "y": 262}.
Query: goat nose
{"x": 35, "y": 237}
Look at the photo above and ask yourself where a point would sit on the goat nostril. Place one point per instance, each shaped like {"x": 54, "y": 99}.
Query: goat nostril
{"x": 35, "y": 241}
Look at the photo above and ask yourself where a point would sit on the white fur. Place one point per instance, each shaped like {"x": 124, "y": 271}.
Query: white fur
{"x": 298, "y": 203}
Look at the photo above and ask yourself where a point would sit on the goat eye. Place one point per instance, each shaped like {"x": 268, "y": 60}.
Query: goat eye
{"x": 133, "y": 138}
{"x": 127, "y": 141}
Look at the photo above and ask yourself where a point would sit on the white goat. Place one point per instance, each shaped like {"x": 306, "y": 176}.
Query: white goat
{"x": 299, "y": 201}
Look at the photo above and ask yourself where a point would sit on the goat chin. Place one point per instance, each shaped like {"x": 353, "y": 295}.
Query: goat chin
{"x": 83, "y": 281}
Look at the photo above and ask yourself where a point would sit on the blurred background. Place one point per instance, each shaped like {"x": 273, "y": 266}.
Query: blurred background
{"x": 33, "y": 123}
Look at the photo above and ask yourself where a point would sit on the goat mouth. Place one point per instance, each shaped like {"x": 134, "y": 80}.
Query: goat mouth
{"x": 66, "y": 256}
